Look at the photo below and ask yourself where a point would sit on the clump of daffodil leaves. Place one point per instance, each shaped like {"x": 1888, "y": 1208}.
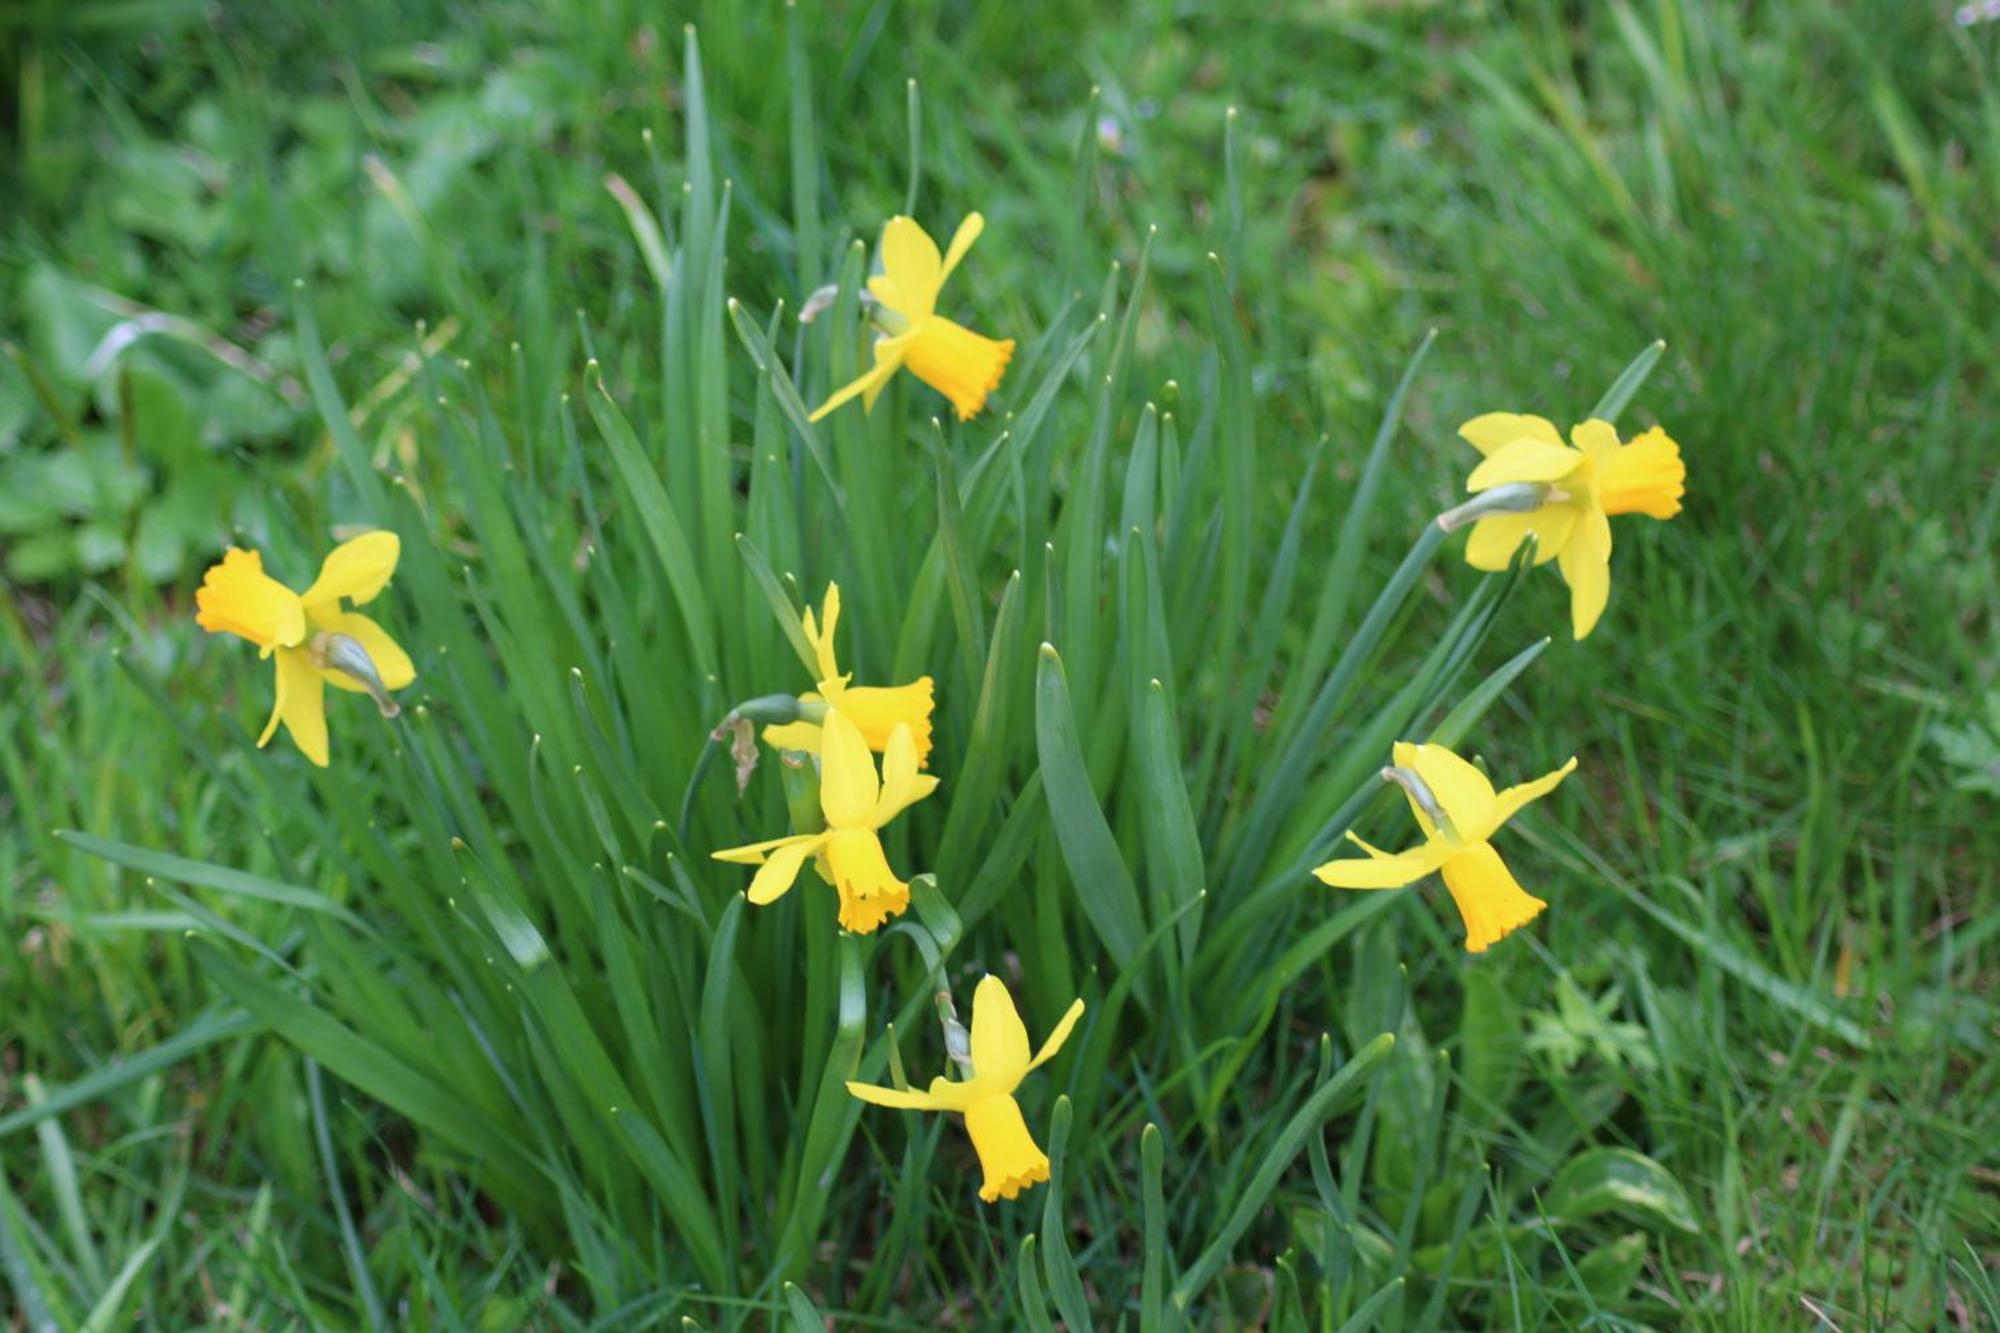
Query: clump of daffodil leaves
{"x": 1529, "y": 484}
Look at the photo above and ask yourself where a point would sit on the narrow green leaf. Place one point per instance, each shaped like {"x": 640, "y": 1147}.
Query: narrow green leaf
{"x": 1034, "y": 1305}
{"x": 1153, "y": 1213}
{"x": 657, "y": 517}
{"x": 201, "y": 874}
{"x": 1065, "y": 1283}
{"x": 1173, "y": 843}
{"x": 1104, "y": 885}
{"x": 106, "y": 1314}
{"x": 1630, "y": 380}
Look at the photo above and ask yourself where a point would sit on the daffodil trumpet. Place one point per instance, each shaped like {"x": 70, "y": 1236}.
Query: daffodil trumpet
{"x": 1459, "y": 813}
{"x": 315, "y": 637}
{"x": 994, "y": 1060}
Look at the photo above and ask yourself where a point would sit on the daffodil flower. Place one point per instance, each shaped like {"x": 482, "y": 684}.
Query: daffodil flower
{"x": 962, "y": 365}
{"x": 876, "y": 710}
{"x": 315, "y": 639}
{"x": 1008, "y": 1155}
{"x": 847, "y": 852}
{"x": 1564, "y": 496}
{"x": 1459, "y": 812}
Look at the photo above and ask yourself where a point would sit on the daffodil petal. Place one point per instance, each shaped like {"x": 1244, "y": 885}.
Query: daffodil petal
{"x": 902, "y": 785}
{"x": 903, "y": 1099}
{"x": 1512, "y": 799}
{"x": 774, "y": 878}
{"x": 356, "y": 570}
{"x": 999, "y": 1038}
{"x": 848, "y": 788}
{"x": 793, "y": 736}
{"x": 1525, "y": 460}
{"x": 1487, "y": 896}
{"x": 1586, "y": 566}
{"x": 910, "y": 261}
{"x": 1595, "y": 437}
{"x": 883, "y": 288}
{"x": 237, "y": 597}
{"x": 1463, "y": 791}
{"x": 1496, "y": 430}
{"x": 961, "y": 241}
{"x": 820, "y": 633}
{"x": 1380, "y": 869}
{"x": 1058, "y": 1035}
{"x": 1496, "y": 537}
{"x": 888, "y": 358}
{"x": 392, "y": 664}
{"x": 753, "y": 854}
{"x": 300, "y": 705}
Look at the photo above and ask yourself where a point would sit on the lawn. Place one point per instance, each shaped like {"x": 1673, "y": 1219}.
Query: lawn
{"x": 468, "y": 1029}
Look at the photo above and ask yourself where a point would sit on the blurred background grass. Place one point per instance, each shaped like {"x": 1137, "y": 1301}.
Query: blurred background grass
{"x": 1791, "y": 708}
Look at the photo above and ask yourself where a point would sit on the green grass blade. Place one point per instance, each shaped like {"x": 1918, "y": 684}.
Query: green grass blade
{"x": 213, "y": 1025}
{"x": 1290, "y": 1142}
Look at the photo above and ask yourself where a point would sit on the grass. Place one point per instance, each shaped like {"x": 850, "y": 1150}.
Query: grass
{"x": 1769, "y": 965}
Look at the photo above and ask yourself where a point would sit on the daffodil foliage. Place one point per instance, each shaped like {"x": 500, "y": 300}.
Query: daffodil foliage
{"x": 1024, "y": 701}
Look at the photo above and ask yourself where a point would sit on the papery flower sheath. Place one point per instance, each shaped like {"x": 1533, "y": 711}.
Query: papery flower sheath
{"x": 1009, "y": 1158}
{"x": 1567, "y": 495}
{"x": 876, "y": 709}
{"x": 1459, "y": 812}
{"x": 962, "y": 365}
{"x": 316, "y": 640}
{"x": 848, "y": 852}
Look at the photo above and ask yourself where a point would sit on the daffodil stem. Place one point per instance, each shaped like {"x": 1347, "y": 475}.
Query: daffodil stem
{"x": 709, "y": 750}
{"x": 770, "y": 709}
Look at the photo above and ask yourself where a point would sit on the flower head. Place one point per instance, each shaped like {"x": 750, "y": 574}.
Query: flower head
{"x": 877, "y": 710}
{"x": 1459, "y": 812}
{"x": 848, "y": 851}
{"x": 316, "y": 640}
{"x": 1577, "y": 488}
{"x": 962, "y": 365}
{"x": 1008, "y": 1155}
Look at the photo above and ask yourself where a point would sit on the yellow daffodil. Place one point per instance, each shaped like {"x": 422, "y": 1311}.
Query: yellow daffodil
{"x": 1564, "y": 495}
{"x": 316, "y": 640}
{"x": 1459, "y": 812}
{"x": 876, "y": 710}
{"x": 1007, "y": 1152}
{"x": 962, "y": 365}
{"x": 847, "y": 852}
